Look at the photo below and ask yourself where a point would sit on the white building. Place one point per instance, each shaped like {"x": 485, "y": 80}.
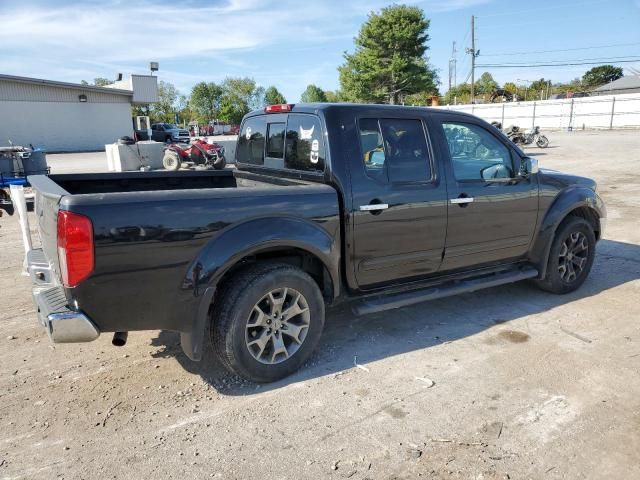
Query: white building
{"x": 68, "y": 117}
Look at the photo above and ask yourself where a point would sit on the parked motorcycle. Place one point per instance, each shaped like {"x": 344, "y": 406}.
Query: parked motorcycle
{"x": 534, "y": 136}
{"x": 520, "y": 137}
{"x": 199, "y": 153}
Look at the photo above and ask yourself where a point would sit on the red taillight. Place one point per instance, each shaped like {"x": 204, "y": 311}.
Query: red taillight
{"x": 282, "y": 108}
{"x": 75, "y": 247}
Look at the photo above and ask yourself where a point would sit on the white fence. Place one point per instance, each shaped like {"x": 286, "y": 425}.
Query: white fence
{"x": 608, "y": 112}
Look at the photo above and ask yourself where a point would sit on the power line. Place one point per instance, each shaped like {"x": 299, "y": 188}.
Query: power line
{"x": 560, "y": 50}
{"x": 466, "y": 35}
{"x": 553, "y": 7}
{"x": 603, "y": 59}
{"x": 516, "y": 65}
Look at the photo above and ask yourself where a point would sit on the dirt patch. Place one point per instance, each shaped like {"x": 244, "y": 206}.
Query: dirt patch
{"x": 501, "y": 406}
{"x": 511, "y": 336}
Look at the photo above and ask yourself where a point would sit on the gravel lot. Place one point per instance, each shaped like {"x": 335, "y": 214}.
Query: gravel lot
{"x": 526, "y": 384}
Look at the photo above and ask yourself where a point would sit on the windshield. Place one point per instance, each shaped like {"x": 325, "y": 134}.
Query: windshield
{"x": 170, "y": 126}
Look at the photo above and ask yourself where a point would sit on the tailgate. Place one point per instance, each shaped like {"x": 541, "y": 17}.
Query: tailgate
{"x": 47, "y": 199}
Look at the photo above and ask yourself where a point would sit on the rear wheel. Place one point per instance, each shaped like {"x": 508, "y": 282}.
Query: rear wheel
{"x": 267, "y": 321}
{"x": 171, "y": 160}
{"x": 571, "y": 256}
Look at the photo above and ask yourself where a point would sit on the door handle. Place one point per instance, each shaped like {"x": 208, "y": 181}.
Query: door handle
{"x": 372, "y": 207}
{"x": 460, "y": 201}
{"x": 463, "y": 200}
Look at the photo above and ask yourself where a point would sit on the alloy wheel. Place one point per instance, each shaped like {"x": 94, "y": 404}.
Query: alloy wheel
{"x": 277, "y": 326}
{"x": 573, "y": 256}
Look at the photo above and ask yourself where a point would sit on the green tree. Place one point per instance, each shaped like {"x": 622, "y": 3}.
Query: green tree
{"x": 389, "y": 60}
{"x": 333, "y": 97}
{"x": 205, "y": 100}
{"x": 239, "y": 95}
{"x": 98, "y": 82}
{"x": 422, "y": 99}
{"x": 458, "y": 94}
{"x": 313, "y": 94}
{"x": 273, "y": 97}
{"x": 258, "y": 98}
{"x": 539, "y": 88}
{"x": 184, "y": 109}
{"x": 101, "y": 81}
{"x": 510, "y": 87}
{"x": 601, "y": 75}
{"x": 486, "y": 85}
{"x": 165, "y": 108}
{"x": 574, "y": 85}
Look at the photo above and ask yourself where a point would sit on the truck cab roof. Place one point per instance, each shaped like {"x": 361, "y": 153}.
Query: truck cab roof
{"x": 314, "y": 108}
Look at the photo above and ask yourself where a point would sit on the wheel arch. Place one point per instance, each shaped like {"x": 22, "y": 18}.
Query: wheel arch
{"x": 578, "y": 202}
{"x": 289, "y": 240}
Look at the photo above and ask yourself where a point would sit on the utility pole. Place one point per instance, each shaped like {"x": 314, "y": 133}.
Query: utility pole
{"x": 452, "y": 67}
{"x": 473, "y": 58}
{"x": 474, "y": 53}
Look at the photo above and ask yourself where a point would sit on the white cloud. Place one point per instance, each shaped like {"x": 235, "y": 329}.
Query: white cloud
{"x": 112, "y": 31}
{"x": 193, "y": 41}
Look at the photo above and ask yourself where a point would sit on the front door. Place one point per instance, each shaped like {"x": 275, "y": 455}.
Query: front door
{"x": 399, "y": 202}
{"x": 492, "y": 212}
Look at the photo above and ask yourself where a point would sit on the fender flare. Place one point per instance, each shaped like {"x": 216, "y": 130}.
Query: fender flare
{"x": 564, "y": 203}
{"x": 249, "y": 238}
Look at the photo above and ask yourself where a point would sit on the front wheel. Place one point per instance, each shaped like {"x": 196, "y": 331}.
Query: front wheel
{"x": 267, "y": 321}
{"x": 542, "y": 142}
{"x": 220, "y": 163}
{"x": 571, "y": 257}
{"x": 171, "y": 160}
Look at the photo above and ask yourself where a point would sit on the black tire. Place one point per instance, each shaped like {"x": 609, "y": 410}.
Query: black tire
{"x": 555, "y": 280}
{"x": 233, "y": 309}
{"x": 171, "y": 160}
{"x": 542, "y": 142}
{"x": 220, "y": 163}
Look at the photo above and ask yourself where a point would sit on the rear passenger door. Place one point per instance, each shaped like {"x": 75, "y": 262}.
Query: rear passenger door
{"x": 399, "y": 202}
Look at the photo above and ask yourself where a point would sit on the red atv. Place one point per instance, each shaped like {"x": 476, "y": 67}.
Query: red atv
{"x": 199, "y": 154}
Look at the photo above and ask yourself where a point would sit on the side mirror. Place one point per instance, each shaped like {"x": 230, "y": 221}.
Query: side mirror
{"x": 529, "y": 166}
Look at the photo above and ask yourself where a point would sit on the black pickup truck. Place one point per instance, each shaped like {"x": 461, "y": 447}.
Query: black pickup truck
{"x": 380, "y": 206}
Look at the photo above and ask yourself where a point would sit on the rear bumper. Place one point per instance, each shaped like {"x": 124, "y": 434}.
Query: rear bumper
{"x": 63, "y": 324}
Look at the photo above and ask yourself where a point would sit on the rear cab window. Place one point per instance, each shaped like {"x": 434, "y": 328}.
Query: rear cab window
{"x": 291, "y": 142}
{"x": 251, "y": 141}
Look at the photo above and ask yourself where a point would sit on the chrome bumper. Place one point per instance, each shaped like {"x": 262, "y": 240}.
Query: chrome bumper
{"x": 63, "y": 324}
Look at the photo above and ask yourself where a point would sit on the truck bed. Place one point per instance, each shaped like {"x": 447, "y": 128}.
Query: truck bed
{"x": 74, "y": 184}
{"x": 151, "y": 228}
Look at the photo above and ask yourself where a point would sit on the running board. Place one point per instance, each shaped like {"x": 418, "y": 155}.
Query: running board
{"x": 381, "y": 303}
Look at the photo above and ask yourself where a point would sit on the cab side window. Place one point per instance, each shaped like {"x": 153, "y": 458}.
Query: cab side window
{"x": 395, "y": 147}
{"x": 372, "y": 144}
{"x": 406, "y": 147}
{"x": 476, "y": 154}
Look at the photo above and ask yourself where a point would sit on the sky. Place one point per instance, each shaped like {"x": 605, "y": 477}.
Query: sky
{"x": 291, "y": 44}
